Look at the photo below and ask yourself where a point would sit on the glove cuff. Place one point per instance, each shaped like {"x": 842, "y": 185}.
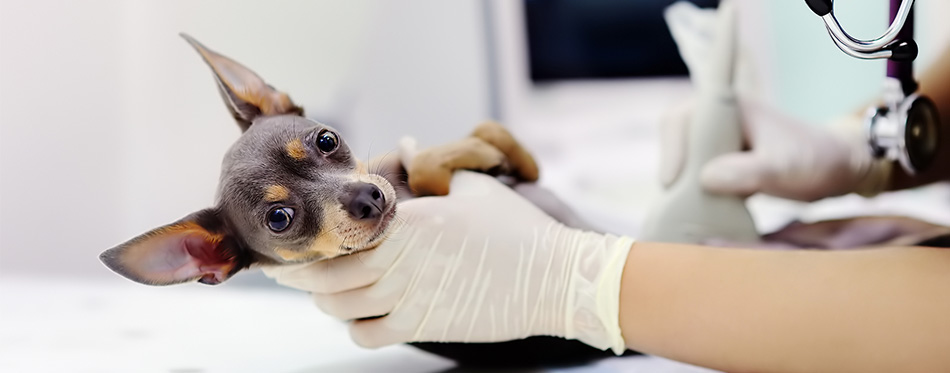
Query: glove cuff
{"x": 593, "y": 303}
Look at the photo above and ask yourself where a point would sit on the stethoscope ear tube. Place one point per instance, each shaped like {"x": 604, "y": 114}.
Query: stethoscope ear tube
{"x": 886, "y": 46}
{"x": 903, "y": 50}
{"x": 820, "y": 7}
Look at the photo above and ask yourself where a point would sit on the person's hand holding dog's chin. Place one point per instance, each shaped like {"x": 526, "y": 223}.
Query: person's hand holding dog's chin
{"x": 479, "y": 265}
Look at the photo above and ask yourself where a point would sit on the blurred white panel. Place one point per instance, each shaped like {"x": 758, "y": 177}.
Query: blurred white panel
{"x": 423, "y": 73}
{"x": 61, "y": 135}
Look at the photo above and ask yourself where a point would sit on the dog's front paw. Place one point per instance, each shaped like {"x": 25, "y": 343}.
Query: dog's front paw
{"x": 490, "y": 149}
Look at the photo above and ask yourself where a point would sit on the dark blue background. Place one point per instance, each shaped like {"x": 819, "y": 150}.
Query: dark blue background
{"x": 592, "y": 39}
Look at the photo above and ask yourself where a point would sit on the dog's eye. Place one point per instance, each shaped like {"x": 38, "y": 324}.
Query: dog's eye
{"x": 279, "y": 219}
{"x": 327, "y": 142}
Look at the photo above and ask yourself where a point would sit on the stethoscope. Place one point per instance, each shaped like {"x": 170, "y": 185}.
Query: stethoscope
{"x": 906, "y": 127}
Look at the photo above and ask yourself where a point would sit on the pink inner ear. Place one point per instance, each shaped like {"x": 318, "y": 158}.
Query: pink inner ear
{"x": 178, "y": 257}
{"x": 209, "y": 257}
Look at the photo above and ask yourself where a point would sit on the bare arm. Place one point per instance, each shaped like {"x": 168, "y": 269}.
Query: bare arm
{"x": 768, "y": 310}
{"x": 935, "y": 84}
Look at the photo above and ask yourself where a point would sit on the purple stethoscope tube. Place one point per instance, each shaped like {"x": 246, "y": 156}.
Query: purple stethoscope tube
{"x": 902, "y": 69}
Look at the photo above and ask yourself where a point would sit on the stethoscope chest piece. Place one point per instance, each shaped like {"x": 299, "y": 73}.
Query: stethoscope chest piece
{"x": 907, "y": 131}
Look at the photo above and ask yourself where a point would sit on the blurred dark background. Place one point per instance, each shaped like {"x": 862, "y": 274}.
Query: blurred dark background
{"x": 598, "y": 39}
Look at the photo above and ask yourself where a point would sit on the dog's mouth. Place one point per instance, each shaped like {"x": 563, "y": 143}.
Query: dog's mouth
{"x": 378, "y": 233}
{"x": 382, "y": 228}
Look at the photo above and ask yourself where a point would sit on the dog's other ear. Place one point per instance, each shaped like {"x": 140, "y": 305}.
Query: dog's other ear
{"x": 245, "y": 93}
{"x": 197, "y": 247}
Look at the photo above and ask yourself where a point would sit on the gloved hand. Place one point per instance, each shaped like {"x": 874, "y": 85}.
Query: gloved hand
{"x": 788, "y": 158}
{"x": 479, "y": 265}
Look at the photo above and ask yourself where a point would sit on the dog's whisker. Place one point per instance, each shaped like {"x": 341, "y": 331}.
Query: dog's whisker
{"x": 379, "y": 165}
{"x": 388, "y": 154}
{"x": 343, "y": 246}
{"x": 337, "y": 227}
{"x": 328, "y": 231}
{"x": 369, "y": 150}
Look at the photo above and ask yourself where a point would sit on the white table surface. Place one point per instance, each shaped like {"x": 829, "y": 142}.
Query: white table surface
{"x": 112, "y": 325}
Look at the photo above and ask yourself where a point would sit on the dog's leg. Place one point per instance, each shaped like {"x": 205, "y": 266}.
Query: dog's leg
{"x": 490, "y": 149}
{"x": 520, "y": 163}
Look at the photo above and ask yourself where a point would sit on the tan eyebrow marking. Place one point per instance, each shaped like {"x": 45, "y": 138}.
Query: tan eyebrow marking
{"x": 295, "y": 149}
{"x": 275, "y": 193}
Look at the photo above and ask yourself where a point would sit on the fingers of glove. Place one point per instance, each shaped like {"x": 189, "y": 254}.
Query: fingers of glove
{"x": 290, "y": 275}
{"x": 274, "y": 271}
{"x": 673, "y": 133}
{"x": 369, "y": 301}
{"x": 309, "y": 277}
{"x": 341, "y": 274}
{"x": 380, "y": 332}
{"x": 739, "y": 174}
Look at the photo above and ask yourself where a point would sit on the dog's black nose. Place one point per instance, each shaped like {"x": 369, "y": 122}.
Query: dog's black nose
{"x": 366, "y": 201}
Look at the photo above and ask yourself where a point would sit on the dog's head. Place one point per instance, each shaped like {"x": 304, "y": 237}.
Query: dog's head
{"x": 290, "y": 191}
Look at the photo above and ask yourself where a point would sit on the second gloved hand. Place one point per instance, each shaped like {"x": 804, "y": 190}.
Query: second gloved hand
{"x": 479, "y": 265}
{"x": 788, "y": 158}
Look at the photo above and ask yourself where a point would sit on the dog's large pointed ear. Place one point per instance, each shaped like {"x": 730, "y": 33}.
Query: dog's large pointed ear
{"x": 246, "y": 94}
{"x": 197, "y": 247}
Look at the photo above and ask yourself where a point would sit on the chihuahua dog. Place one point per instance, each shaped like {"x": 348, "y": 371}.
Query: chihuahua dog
{"x": 291, "y": 191}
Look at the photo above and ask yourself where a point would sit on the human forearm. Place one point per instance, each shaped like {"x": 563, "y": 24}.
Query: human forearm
{"x": 757, "y": 310}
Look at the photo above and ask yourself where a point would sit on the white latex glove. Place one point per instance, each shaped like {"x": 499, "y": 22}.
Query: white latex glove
{"x": 788, "y": 159}
{"x": 479, "y": 265}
